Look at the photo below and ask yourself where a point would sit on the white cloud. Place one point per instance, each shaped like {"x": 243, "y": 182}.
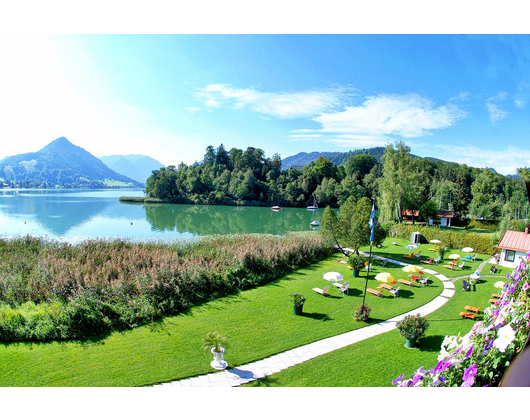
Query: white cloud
{"x": 504, "y": 161}
{"x": 519, "y": 103}
{"x": 403, "y": 115}
{"x": 494, "y": 109}
{"x": 360, "y": 141}
{"x": 284, "y": 105}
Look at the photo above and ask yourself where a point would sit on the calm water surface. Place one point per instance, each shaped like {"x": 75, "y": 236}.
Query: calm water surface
{"x": 76, "y": 215}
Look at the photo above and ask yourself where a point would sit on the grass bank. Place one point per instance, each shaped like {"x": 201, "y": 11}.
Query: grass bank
{"x": 258, "y": 323}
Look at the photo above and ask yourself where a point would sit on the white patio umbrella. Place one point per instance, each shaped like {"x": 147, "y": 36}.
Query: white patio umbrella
{"x": 435, "y": 241}
{"x": 385, "y": 277}
{"x": 333, "y": 276}
{"x": 411, "y": 269}
{"x": 467, "y": 249}
{"x": 411, "y": 246}
{"x": 454, "y": 257}
{"x": 499, "y": 285}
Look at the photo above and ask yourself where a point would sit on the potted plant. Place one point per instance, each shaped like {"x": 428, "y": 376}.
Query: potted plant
{"x": 362, "y": 313}
{"x": 441, "y": 251}
{"x": 298, "y": 300}
{"x": 216, "y": 344}
{"x": 412, "y": 327}
{"x": 356, "y": 263}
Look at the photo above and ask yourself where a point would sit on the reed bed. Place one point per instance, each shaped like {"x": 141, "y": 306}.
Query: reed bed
{"x": 60, "y": 291}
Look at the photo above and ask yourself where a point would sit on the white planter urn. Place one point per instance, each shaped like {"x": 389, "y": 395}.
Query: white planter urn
{"x": 218, "y": 363}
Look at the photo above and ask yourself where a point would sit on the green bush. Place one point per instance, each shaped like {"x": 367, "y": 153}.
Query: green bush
{"x": 450, "y": 238}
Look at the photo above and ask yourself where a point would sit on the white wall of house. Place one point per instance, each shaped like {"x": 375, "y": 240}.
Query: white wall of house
{"x": 517, "y": 256}
{"x": 445, "y": 221}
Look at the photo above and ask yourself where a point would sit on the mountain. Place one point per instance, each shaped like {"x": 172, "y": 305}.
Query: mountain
{"x": 61, "y": 163}
{"x": 137, "y": 167}
{"x": 338, "y": 158}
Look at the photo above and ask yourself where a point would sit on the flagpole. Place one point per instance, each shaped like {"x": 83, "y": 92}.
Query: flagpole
{"x": 372, "y": 226}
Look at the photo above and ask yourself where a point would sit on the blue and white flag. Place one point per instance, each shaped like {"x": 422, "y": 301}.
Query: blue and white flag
{"x": 372, "y": 223}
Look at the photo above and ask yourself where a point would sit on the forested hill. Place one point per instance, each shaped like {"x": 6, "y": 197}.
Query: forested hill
{"x": 248, "y": 177}
{"x": 338, "y": 158}
{"x": 60, "y": 163}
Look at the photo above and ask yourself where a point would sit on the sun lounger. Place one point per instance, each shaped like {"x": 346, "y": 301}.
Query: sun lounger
{"x": 493, "y": 301}
{"x": 323, "y": 291}
{"x": 409, "y": 256}
{"x": 450, "y": 267}
{"x": 473, "y": 309}
{"x": 470, "y": 315}
{"x": 427, "y": 261}
{"x": 377, "y": 293}
{"x": 407, "y": 282}
{"x": 496, "y": 295}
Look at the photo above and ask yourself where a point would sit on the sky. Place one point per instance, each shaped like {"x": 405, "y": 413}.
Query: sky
{"x": 458, "y": 97}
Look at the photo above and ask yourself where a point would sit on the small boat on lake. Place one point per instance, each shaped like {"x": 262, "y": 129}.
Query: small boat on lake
{"x": 276, "y": 208}
{"x": 314, "y": 206}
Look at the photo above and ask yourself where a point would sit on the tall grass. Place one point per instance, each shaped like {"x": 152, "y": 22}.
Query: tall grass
{"x": 51, "y": 291}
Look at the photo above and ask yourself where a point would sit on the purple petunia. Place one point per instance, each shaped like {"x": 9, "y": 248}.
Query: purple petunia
{"x": 469, "y": 375}
{"x": 398, "y": 379}
{"x": 526, "y": 286}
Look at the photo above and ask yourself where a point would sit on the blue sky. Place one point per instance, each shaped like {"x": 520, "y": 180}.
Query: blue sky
{"x": 461, "y": 98}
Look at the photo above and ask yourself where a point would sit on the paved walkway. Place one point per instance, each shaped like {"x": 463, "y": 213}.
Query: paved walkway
{"x": 281, "y": 361}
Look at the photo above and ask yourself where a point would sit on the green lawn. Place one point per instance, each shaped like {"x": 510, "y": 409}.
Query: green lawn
{"x": 259, "y": 323}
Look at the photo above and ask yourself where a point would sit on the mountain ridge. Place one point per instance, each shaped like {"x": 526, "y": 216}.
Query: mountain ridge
{"x": 61, "y": 164}
{"x": 134, "y": 166}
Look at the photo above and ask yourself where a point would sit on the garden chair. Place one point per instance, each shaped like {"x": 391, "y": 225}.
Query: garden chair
{"x": 323, "y": 291}
{"x": 418, "y": 255}
{"x": 339, "y": 285}
{"x": 384, "y": 262}
{"x": 435, "y": 248}
{"x": 437, "y": 260}
{"x": 461, "y": 266}
{"x": 465, "y": 286}
{"x": 474, "y": 257}
{"x": 493, "y": 269}
{"x": 345, "y": 289}
{"x": 395, "y": 291}
{"x": 424, "y": 281}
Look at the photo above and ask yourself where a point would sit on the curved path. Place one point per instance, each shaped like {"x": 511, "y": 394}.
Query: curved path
{"x": 266, "y": 367}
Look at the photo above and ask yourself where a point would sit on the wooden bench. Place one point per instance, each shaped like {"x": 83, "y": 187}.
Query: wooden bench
{"x": 407, "y": 282}
{"x": 385, "y": 286}
{"x": 377, "y": 293}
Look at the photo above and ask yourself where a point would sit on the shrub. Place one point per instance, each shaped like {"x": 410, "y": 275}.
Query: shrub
{"x": 53, "y": 291}
{"x": 412, "y": 327}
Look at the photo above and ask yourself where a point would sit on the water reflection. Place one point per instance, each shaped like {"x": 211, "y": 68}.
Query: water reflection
{"x": 81, "y": 214}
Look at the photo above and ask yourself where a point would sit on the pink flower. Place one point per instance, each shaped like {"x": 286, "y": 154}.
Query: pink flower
{"x": 526, "y": 286}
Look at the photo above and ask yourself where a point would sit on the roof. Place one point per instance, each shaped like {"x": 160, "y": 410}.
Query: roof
{"x": 446, "y": 213}
{"x": 515, "y": 241}
{"x": 409, "y": 213}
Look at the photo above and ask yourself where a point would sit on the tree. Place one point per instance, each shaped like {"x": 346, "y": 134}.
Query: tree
{"x": 398, "y": 182}
{"x": 486, "y": 202}
{"x": 352, "y": 227}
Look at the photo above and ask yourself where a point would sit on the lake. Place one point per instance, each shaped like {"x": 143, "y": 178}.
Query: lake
{"x": 75, "y": 215}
